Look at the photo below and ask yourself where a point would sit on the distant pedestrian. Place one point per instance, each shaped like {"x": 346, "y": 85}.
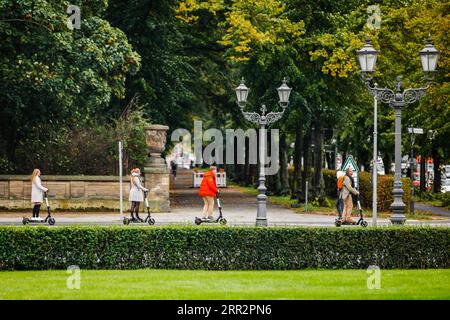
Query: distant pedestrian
{"x": 37, "y": 193}
{"x": 136, "y": 193}
{"x": 173, "y": 166}
{"x": 208, "y": 190}
{"x": 347, "y": 190}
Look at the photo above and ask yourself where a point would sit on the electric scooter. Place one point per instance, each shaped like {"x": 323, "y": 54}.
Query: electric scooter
{"x": 49, "y": 219}
{"x": 148, "y": 219}
{"x": 220, "y": 219}
{"x": 363, "y": 223}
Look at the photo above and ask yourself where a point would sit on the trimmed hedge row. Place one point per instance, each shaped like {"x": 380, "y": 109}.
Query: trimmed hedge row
{"x": 385, "y": 184}
{"x": 223, "y": 248}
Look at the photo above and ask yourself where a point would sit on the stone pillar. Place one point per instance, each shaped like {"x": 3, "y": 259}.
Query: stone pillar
{"x": 156, "y": 171}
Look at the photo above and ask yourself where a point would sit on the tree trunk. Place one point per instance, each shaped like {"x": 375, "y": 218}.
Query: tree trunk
{"x": 437, "y": 171}
{"x": 318, "y": 156}
{"x": 284, "y": 179}
{"x": 305, "y": 172}
{"x": 247, "y": 177}
{"x": 296, "y": 180}
{"x": 423, "y": 162}
{"x": 387, "y": 163}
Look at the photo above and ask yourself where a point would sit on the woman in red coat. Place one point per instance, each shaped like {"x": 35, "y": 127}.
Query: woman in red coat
{"x": 208, "y": 190}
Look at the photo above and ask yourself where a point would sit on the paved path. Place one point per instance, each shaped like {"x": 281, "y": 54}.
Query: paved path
{"x": 241, "y": 217}
{"x": 238, "y": 209}
{"x": 420, "y": 206}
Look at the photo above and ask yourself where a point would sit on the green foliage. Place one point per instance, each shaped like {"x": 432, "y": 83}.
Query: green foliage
{"x": 222, "y": 248}
{"x": 54, "y": 79}
{"x": 5, "y": 165}
{"x": 87, "y": 150}
{"x": 168, "y": 74}
{"x": 130, "y": 129}
{"x": 444, "y": 198}
{"x": 385, "y": 185}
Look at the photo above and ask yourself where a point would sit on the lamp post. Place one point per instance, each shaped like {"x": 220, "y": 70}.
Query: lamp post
{"x": 263, "y": 120}
{"x": 412, "y": 132}
{"x": 396, "y": 98}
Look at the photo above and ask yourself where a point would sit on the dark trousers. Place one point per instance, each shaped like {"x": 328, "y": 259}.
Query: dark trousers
{"x": 36, "y": 209}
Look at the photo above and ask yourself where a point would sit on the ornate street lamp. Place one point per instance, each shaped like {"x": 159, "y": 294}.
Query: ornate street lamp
{"x": 283, "y": 93}
{"x": 429, "y": 57}
{"x": 262, "y": 120}
{"x": 242, "y": 93}
{"x": 367, "y": 57}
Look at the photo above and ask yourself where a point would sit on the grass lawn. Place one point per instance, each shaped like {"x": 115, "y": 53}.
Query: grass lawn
{"x": 191, "y": 284}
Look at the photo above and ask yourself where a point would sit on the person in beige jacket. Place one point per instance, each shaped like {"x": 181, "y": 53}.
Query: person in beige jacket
{"x": 37, "y": 194}
{"x": 346, "y": 194}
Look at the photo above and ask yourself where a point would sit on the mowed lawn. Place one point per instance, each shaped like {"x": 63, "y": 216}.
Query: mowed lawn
{"x": 191, "y": 284}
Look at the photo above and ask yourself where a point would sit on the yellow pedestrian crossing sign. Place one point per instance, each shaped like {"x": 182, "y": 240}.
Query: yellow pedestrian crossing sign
{"x": 350, "y": 163}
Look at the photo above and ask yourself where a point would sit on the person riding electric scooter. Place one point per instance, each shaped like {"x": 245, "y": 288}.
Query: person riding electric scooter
{"x": 345, "y": 195}
{"x": 220, "y": 219}
{"x": 38, "y": 192}
{"x": 136, "y": 195}
{"x": 208, "y": 190}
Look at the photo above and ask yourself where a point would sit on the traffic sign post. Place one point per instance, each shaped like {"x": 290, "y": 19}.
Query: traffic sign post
{"x": 350, "y": 163}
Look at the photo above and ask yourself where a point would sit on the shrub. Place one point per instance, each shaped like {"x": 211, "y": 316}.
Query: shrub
{"x": 385, "y": 184}
{"x": 222, "y": 248}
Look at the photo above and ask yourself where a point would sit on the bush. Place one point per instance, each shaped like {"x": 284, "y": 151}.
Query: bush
{"x": 223, "y": 248}
{"x": 91, "y": 149}
{"x": 5, "y": 165}
{"x": 385, "y": 184}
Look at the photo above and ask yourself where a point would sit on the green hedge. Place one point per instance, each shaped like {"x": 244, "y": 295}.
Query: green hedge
{"x": 222, "y": 248}
{"x": 385, "y": 184}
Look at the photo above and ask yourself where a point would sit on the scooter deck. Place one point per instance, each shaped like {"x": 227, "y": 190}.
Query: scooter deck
{"x": 49, "y": 219}
{"x": 221, "y": 220}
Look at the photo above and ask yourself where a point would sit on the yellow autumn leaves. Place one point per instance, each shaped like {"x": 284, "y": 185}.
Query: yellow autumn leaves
{"x": 249, "y": 26}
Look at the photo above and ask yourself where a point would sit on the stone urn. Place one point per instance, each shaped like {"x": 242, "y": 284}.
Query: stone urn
{"x": 155, "y": 171}
{"x": 156, "y": 142}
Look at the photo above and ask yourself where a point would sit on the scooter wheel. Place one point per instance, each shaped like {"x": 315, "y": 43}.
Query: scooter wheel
{"x": 337, "y": 223}
{"x": 51, "y": 221}
{"x": 151, "y": 221}
{"x": 364, "y": 224}
{"x": 126, "y": 221}
{"x": 198, "y": 221}
{"x": 223, "y": 221}
{"x": 25, "y": 221}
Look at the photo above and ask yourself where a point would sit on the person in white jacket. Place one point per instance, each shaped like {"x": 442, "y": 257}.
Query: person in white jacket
{"x": 37, "y": 193}
{"x": 136, "y": 193}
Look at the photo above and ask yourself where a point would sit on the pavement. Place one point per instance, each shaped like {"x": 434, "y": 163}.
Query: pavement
{"x": 238, "y": 208}
{"x": 418, "y": 206}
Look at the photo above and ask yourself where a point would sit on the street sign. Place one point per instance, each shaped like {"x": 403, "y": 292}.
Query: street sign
{"x": 415, "y": 130}
{"x": 350, "y": 163}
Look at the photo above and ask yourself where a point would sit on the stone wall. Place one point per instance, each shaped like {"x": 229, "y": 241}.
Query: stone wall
{"x": 78, "y": 192}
